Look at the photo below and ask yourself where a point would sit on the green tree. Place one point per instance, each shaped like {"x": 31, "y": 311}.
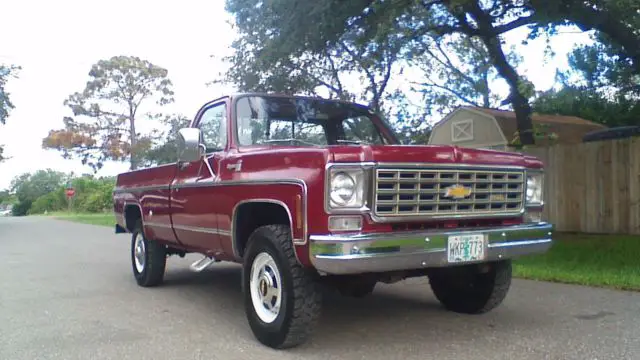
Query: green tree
{"x": 597, "y": 86}
{"x": 107, "y": 110}
{"x": 293, "y": 27}
{"x": 6, "y": 72}
{"x": 257, "y": 66}
{"x": 457, "y": 70}
{"x": 29, "y": 187}
{"x": 589, "y": 104}
{"x": 167, "y": 150}
{"x": 6, "y": 197}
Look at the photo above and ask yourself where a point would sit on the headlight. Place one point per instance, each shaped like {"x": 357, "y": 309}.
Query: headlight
{"x": 534, "y": 188}
{"x": 346, "y": 188}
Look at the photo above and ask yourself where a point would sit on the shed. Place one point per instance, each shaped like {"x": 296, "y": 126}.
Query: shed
{"x": 478, "y": 127}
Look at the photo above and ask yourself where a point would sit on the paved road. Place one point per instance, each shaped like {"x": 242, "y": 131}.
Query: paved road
{"x": 66, "y": 292}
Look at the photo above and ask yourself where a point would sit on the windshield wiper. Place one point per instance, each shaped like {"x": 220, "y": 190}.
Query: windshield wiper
{"x": 290, "y": 140}
{"x": 355, "y": 142}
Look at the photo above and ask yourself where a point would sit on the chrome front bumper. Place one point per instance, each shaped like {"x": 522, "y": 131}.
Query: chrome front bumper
{"x": 380, "y": 252}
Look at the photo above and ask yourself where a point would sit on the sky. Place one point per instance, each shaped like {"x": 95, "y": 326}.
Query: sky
{"x": 56, "y": 42}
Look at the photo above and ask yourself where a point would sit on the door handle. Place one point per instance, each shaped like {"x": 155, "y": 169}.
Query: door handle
{"x": 236, "y": 167}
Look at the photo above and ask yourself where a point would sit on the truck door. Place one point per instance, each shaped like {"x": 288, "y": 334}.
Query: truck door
{"x": 193, "y": 191}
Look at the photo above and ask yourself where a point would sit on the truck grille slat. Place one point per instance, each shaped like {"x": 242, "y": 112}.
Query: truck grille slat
{"x": 421, "y": 192}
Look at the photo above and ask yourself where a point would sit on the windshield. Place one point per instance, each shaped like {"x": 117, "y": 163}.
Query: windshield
{"x": 304, "y": 122}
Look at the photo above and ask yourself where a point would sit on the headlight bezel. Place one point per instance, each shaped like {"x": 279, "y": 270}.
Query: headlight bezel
{"x": 361, "y": 175}
{"x": 536, "y": 201}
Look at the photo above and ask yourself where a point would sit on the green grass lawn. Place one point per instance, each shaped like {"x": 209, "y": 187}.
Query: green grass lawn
{"x": 594, "y": 260}
{"x": 104, "y": 219}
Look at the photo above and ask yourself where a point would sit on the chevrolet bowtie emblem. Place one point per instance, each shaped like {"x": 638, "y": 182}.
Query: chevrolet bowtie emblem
{"x": 457, "y": 191}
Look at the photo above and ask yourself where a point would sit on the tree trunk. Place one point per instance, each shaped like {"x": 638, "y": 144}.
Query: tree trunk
{"x": 132, "y": 137}
{"x": 520, "y": 103}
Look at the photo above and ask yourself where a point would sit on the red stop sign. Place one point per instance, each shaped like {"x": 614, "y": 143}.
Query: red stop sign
{"x": 70, "y": 192}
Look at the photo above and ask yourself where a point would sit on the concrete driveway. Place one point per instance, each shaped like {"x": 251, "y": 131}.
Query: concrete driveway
{"x": 67, "y": 292}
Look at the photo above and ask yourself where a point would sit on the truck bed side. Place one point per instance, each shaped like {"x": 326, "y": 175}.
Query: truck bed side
{"x": 144, "y": 195}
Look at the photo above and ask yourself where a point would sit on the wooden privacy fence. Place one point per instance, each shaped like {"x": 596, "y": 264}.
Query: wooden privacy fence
{"x": 592, "y": 187}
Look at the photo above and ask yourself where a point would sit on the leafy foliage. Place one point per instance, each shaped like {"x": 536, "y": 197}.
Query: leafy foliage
{"x": 256, "y": 65}
{"x": 294, "y": 28}
{"x": 29, "y": 187}
{"x": 457, "y": 70}
{"x": 589, "y": 104}
{"x": 6, "y": 72}
{"x": 597, "y": 86}
{"x": 166, "y": 151}
{"x": 106, "y": 112}
{"x": 44, "y": 191}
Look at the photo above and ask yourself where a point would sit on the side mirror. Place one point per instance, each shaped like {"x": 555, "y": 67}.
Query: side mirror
{"x": 189, "y": 146}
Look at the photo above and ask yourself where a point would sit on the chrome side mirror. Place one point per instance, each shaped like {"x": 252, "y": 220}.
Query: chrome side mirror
{"x": 189, "y": 146}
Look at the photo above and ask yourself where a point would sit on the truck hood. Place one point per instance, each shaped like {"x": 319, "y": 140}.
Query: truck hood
{"x": 446, "y": 154}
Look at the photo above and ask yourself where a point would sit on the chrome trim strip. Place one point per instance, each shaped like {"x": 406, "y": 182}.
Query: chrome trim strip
{"x": 234, "y": 239}
{"x": 206, "y": 230}
{"x": 518, "y": 243}
{"x": 385, "y": 220}
{"x": 380, "y": 252}
{"x": 120, "y": 190}
{"x": 451, "y": 165}
{"x": 203, "y": 183}
{"x": 198, "y": 229}
{"x": 159, "y": 225}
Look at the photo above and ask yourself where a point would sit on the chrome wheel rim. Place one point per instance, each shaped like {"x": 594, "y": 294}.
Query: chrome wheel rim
{"x": 139, "y": 252}
{"x": 265, "y": 287}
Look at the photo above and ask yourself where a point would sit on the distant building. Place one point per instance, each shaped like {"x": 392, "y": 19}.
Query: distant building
{"x": 478, "y": 127}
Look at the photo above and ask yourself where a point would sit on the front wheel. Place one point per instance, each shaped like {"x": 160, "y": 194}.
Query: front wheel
{"x": 282, "y": 299}
{"x": 472, "y": 289}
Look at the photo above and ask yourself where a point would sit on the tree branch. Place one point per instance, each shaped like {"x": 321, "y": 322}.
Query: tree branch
{"x": 454, "y": 92}
{"x": 522, "y": 21}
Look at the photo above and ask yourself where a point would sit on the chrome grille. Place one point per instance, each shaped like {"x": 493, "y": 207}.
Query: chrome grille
{"x": 421, "y": 192}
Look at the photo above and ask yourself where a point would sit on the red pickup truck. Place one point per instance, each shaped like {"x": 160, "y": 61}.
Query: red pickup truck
{"x": 308, "y": 193}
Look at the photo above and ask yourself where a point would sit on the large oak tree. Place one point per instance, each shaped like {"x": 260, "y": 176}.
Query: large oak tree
{"x": 294, "y": 27}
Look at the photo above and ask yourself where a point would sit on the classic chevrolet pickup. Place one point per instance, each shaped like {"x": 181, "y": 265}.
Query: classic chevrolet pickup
{"x": 309, "y": 193}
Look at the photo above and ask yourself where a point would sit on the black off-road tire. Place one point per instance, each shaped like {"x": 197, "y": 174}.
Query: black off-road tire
{"x": 155, "y": 259}
{"x": 301, "y": 299}
{"x": 473, "y": 289}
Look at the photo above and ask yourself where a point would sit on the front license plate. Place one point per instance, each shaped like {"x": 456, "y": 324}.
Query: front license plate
{"x": 466, "y": 248}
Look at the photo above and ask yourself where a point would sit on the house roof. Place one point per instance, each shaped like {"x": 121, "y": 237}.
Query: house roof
{"x": 570, "y": 129}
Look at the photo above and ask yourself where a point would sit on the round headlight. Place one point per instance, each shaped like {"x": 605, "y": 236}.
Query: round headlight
{"x": 343, "y": 188}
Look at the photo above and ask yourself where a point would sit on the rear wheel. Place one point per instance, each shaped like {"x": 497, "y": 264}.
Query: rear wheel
{"x": 472, "y": 289}
{"x": 148, "y": 258}
{"x": 282, "y": 299}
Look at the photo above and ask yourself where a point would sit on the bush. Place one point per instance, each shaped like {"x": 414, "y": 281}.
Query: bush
{"x": 92, "y": 195}
{"x": 53, "y": 201}
{"x": 21, "y": 208}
